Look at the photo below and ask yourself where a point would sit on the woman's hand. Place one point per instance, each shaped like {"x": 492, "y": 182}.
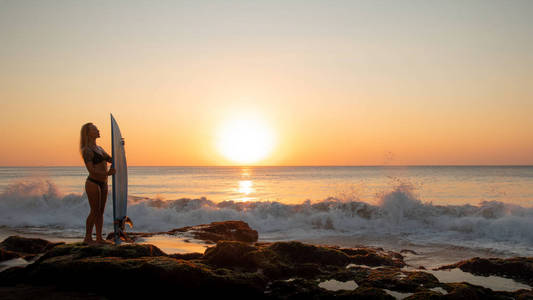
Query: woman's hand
{"x": 111, "y": 171}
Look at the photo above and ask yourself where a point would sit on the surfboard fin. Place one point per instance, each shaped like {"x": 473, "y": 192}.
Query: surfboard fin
{"x": 122, "y": 223}
{"x": 121, "y": 234}
{"x": 128, "y": 221}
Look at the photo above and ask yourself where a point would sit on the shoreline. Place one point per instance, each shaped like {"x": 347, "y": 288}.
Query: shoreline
{"x": 428, "y": 256}
{"x": 267, "y": 267}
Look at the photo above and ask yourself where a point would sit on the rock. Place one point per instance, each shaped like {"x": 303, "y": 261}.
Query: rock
{"x": 229, "y": 254}
{"x": 80, "y": 250}
{"x": 523, "y": 295}
{"x": 222, "y": 231}
{"x": 236, "y": 269}
{"x": 7, "y": 255}
{"x": 365, "y": 292}
{"x": 43, "y": 293}
{"x": 466, "y": 290}
{"x": 123, "y": 270}
{"x": 290, "y": 259}
{"x": 212, "y": 233}
{"x": 518, "y": 268}
{"x": 297, "y": 288}
{"x": 186, "y": 256}
{"x": 275, "y": 260}
{"x": 357, "y": 251}
{"x": 426, "y": 295}
{"x": 374, "y": 257}
{"x": 24, "y": 247}
{"x": 398, "y": 280}
{"x": 407, "y": 251}
{"x": 297, "y": 252}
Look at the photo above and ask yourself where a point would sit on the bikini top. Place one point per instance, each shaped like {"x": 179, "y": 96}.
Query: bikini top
{"x": 96, "y": 157}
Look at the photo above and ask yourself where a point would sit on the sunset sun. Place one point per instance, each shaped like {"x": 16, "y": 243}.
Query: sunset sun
{"x": 245, "y": 140}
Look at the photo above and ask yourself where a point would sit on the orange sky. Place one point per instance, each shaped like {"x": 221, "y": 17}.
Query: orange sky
{"x": 417, "y": 83}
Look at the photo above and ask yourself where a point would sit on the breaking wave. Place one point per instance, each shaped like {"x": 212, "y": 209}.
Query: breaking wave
{"x": 399, "y": 213}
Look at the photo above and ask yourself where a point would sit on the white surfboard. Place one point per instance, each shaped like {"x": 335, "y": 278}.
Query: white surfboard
{"x": 120, "y": 182}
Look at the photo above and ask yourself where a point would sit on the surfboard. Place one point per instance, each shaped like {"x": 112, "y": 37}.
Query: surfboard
{"x": 120, "y": 182}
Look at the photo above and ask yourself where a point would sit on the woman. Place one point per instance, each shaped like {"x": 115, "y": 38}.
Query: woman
{"x": 96, "y": 160}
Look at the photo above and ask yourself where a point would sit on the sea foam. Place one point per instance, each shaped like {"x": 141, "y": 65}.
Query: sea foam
{"x": 399, "y": 213}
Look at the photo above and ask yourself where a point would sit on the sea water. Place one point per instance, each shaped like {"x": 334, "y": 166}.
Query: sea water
{"x": 443, "y": 213}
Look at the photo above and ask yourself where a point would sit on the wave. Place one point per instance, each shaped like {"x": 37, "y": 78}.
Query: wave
{"x": 398, "y": 213}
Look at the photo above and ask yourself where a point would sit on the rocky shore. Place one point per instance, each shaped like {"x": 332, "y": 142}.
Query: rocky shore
{"x": 236, "y": 266}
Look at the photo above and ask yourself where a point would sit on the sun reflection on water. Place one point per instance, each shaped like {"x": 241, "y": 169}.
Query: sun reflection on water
{"x": 245, "y": 186}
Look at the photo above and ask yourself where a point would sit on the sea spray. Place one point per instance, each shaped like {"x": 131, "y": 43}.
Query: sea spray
{"x": 398, "y": 213}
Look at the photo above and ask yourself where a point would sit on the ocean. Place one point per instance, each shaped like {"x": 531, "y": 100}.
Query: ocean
{"x": 444, "y": 213}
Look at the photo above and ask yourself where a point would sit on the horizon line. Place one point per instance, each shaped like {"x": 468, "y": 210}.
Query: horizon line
{"x": 290, "y": 166}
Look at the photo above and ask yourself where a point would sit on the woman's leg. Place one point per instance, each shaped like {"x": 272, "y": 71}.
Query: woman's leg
{"x": 93, "y": 194}
{"x": 100, "y": 218}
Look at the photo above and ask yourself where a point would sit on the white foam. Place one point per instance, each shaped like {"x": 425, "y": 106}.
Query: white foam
{"x": 398, "y": 215}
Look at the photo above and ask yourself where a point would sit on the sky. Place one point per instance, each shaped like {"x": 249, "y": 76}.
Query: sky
{"x": 335, "y": 82}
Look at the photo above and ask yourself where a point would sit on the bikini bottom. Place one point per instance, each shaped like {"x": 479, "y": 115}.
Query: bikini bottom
{"x": 100, "y": 183}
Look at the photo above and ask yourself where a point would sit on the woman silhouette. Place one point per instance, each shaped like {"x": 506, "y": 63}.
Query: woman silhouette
{"x": 96, "y": 160}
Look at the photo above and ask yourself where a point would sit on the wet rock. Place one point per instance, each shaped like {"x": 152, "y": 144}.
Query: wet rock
{"x": 426, "y": 295}
{"x": 24, "y": 247}
{"x": 374, "y": 257}
{"x": 523, "y": 295}
{"x": 43, "y": 293}
{"x": 222, "y": 231}
{"x": 365, "y": 292}
{"x": 398, "y": 280}
{"x": 230, "y": 254}
{"x": 187, "y": 256}
{"x": 297, "y": 288}
{"x": 289, "y": 259}
{"x": 80, "y": 250}
{"x": 407, "y": 251}
{"x": 298, "y": 252}
{"x": 466, "y": 290}
{"x": 7, "y": 255}
{"x": 212, "y": 233}
{"x": 276, "y": 260}
{"x": 236, "y": 269}
{"x": 118, "y": 268}
{"x": 518, "y": 268}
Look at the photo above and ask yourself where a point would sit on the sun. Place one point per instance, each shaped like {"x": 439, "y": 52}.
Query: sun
{"x": 245, "y": 140}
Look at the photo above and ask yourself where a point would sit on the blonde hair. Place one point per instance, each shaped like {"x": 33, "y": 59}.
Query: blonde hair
{"x": 84, "y": 136}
